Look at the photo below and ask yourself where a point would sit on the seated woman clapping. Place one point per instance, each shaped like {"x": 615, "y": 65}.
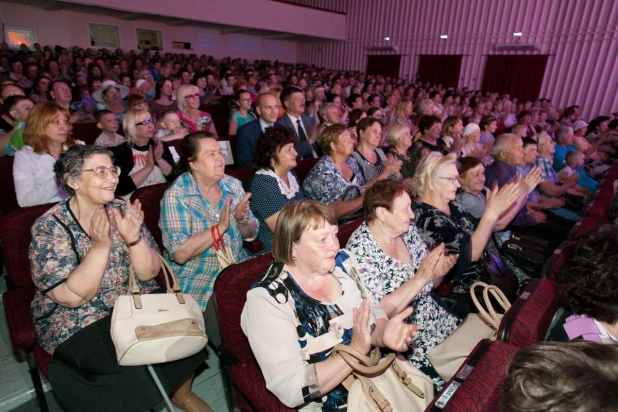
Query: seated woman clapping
{"x": 441, "y": 219}
{"x": 202, "y": 197}
{"x": 274, "y": 184}
{"x": 399, "y": 271}
{"x": 80, "y": 254}
{"x": 308, "y": 301}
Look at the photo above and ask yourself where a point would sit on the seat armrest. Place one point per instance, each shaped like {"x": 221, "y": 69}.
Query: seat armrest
{"x": 19, "y": 318}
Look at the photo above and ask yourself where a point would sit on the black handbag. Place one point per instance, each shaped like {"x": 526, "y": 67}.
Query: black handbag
{"x": 529, "y": 253}
{"x": 501, "y": 274}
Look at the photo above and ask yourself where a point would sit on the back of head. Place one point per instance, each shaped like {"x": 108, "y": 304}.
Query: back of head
{"x": 562, "y": 377}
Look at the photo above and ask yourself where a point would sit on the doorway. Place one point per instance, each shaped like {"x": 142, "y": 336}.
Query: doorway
{"x": 386, "y": 65}
{"x": 520, "y": 76}
{"x": 441, "y": 69}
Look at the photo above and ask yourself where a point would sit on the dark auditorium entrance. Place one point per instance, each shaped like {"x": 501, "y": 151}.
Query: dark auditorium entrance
{"x": 386, "y": 65}
{"x": 520, "y": 76}
{"x": 440, "y": 69}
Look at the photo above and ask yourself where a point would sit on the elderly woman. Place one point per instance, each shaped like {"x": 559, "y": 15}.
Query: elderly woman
{"x": 274, "y": 184}
{"x": 60, "y": 93}
{"x": 399, "y": 271}
{"x": 202, "y": 197}
{"x": 39, "y": 89}
{"x": 471, "y": 141}
{"x": 46, "y": 136}
{"x": 188, "y": 100}
{"x": 110, "y": 97}
{"x": 80, "y": 255}
{"x": 587, "y": 283}
{"x": 337, "y": 179}
{"x": 372, "y": 160}
{"x": 400, "y": 140}
{"x": 143, "y": 160}
{"x": 311, "y": 294}
{"x": 441, "y": 219}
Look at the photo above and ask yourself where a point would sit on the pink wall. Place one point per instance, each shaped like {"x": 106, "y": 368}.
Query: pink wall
{"x": 580, "y": 37}
{"x": 260, "y": 14}
{"x": 68, "y": 28}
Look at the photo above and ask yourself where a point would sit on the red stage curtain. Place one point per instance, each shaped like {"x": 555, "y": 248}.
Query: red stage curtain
{"x": 440, "y": 69}
{"x": 520, "y": 76}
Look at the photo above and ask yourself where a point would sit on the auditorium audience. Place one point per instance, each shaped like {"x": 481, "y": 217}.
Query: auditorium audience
{"x": 203, "y": 197}
{"x": 275, "y": 183}
{"x": 107, "y": 122}
{"x": 164, "y": 98}
{"x": 310, "y": 271}
{"x": 398, "y": 269}
{"x": 247, "y": 135}
{"x": 373, "y": 162}
{"x": 244, "y": 114}
{"x": 46, "y": 135}
{"x": 189, "y": 111}
{"x": 18, "y": 108}
{"x": 60, "y": 93}
{"x": 142, "y": 160}
{"x": 295, "y": 119}
{"x": 111, "y": 97}
{"x": 169, "y": 127}
{"x": 80, "y": 255}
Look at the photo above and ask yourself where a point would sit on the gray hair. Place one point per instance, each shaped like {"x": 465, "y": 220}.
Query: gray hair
{"x": 70, "y": 164}
{"x": 563, "y": 132}
{"x": 423, "y": 105}
{"x": 325, "y": 108}
{"x": 502, "y": 144}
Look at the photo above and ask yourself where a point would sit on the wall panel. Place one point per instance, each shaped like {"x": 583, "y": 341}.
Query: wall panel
{"x": 581, "y": 38}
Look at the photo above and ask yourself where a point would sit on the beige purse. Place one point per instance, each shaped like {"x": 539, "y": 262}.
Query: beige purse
{"x": 156, "y": 328}
{"x": 390, "y": 384}
{"x": 449, "y": 355}
{"x": 225, "y": 257}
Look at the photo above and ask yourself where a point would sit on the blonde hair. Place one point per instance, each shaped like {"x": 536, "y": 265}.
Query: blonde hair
{"x": 427, "y": 170}
{"x": 183, "y": 92}
{"x": 396, "y": 132}
{"x": 400, "y": 108}
{"x": 330, "y": 135}
{"x": 128, "y": 123}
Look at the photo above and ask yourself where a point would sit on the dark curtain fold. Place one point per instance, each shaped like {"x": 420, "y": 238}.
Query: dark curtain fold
{"x": 386, "y": 65}
{"x": 520, "y": 76}
{"x": 440, "y": 69}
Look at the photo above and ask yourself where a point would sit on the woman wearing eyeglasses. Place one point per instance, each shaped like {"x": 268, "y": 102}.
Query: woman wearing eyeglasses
{"x": 441, "y": 219}
{"x": 188, "y": 99}
{"x": 143, "y": 161}
{"x": 244, "y": 114}
{"x": 80, "y": 255}
{"x": 46, "y": 136}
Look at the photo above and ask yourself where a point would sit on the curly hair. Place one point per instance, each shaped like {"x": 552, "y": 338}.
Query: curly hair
{"x": 269, "y": 142}
{"x": 71, "y": 162}
{"x": 587, "y": 281}
{"x": 427, "y": 122}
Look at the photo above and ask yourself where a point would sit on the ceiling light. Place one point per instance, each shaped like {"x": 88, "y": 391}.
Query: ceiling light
{"x": 443, "y": 36}
{"x": 387, "y": 38}
{"x": 517, "y": 34}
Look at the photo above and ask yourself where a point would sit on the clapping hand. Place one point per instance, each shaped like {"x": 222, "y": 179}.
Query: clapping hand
{"x": 100, "y": 230}
{"x": 531, "y": 181}
{"x": 398, "y": 335}
{"x": 224, "y": 220}
{"x": 158, "y": 151}
{"x": 392, "y": 165}
{"x": 500, "y": 200}
{"x": 242, "y": 211}
{"x": 130, "y": 224}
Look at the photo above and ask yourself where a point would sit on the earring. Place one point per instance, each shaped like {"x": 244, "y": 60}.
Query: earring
{"x": 293, "y": 258}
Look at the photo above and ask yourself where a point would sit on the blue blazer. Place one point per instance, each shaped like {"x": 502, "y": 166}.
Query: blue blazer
{"x": 304, "y": 149}
{"x": 246, "y": 141}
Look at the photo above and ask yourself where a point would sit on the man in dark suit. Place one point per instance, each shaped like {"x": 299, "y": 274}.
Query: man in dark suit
{"x": 246, "y": 136}
{"x": 295, "y": 119}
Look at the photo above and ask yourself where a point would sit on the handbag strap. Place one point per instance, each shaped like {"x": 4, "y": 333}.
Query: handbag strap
{"x": 167, "y": 272}
{"x": 407, "y": 381}
{"x": 134, "y": 289}
{"x": 363, "y": 363}
{"x": 500, "y": 298}
{"x": 492, "y": 319}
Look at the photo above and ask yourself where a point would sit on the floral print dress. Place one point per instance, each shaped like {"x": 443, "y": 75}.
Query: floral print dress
{"x": 325, "y": 184}
{"x": 382, "y": 275}
{"x": 59, "y": 245}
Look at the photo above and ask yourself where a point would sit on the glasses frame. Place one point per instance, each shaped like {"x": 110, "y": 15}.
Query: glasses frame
{"x": 108, "y": 170}
{"x": 453, "y": 179}
{"x": 145, "y": 122}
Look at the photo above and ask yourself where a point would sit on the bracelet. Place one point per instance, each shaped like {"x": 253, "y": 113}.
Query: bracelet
{"x": 139, "y": 239}
{"x": 243, "y": 222}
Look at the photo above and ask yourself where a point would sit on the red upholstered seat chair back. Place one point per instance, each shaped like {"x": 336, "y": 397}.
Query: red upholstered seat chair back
{"x": 150, "y": 198}
{"x": 477, "y": 385}
{"x": 597, "y": 209}
{"x": 15, "y": 237}
{"x": 585, "y": 225}
{"x": 8, "y": 200}
{"x": 303, "y": 168}
{"x": 87, "y": 132}
{"x": 231, "y": 290}
{"x": 346, "y": 231}
{"x": 244, "y": 175}
{"x": 528, "y": 319}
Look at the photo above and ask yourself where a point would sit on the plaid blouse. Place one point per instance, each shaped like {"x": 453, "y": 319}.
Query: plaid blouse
{"x": 184, "y": 213}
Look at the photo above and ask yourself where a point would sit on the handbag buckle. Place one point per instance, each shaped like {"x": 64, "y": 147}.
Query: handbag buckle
{"x": 137, "y": 300}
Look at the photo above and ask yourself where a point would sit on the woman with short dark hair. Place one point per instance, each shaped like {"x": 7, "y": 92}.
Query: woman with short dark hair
{"x": 275, "y": 183}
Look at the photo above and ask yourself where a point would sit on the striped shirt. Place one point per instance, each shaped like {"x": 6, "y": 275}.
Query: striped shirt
{"x": 184, "y": 213}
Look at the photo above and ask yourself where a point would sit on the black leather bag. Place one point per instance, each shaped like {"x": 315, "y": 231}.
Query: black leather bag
{"x": 501, "y": 275}
{"x": 528, "y": 252}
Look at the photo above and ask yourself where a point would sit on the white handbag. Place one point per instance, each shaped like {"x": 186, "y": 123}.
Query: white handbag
{"x": 450, "y": 354}
{"x": 389, "y": 384}
{"x": 156, "y": 328}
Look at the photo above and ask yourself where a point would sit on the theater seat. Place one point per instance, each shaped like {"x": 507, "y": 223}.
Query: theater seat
{"x": 245, "y": 376}
{"x": 150, "y": 198}
{"x": 597, "y": 209}
{"x": 345, "y": 231}
{"x": 303, "y": 168}
{"x": 585, "y": 225}
{"x": 244, "y": 175}
{"x": 8, "y": 200}
{"x": 550, "y": 264}
{"x": 528, "y": 319}
{"x": 86, "y": 132}
{"x": 477, "y": 385}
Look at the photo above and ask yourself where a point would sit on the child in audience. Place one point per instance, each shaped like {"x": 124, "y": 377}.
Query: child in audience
{"x": 170, "y": 127}
{"x": 575, "y": 161}
{"x": 17, "y": 107}
{"x": 108, "y": 123}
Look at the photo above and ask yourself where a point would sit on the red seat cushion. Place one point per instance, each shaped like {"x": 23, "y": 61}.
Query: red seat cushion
{"x": 598, "y": 209}
{"x": 8, "y": 200}
{"x": 18, "y": 317}
{"x": 303, "y": 168}
{"x": 528, "y": 319}
{"x": 86, "y": 132}
{"x": 42, "y": 358}
{"x": 479, "y": 390}
{"x": 585, "y": 225}
{"x": 150, "y": 198}
{"x": 231, "y": 293}
{"x": 346, "y": 231}
{"x": 244, "y": 175}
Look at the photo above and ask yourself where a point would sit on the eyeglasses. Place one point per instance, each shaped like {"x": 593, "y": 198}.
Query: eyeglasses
{"x": 246, "y": 100}
{"x": 145, "y": 122}
{"x": 192, "y": 96}
{"x": 63, "y": 89}
{"x": 454, "y": 179}
{"x": 101, "y": 171}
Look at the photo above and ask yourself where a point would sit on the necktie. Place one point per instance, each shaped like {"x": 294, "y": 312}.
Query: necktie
{"x": 301, "y": 133}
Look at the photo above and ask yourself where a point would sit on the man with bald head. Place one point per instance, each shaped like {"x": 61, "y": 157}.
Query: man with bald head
{"x": 508, "y": 151}
{"x": 267, "y": 109}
